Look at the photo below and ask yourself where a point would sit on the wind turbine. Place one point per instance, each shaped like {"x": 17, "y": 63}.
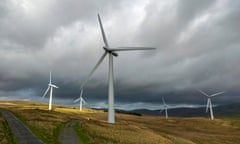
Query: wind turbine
{"x": 209, "y": 102}
{"x": 165, "y": 107}
{"x": 50, "y": 87}
{"x": 110, "y": 51}
{"x": 81, "y": 100}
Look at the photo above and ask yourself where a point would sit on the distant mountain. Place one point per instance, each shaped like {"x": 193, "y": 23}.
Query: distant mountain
{"x": 228, "y": 110}
{"x": 176, "y": 112}
{"x": 222, "y": 110}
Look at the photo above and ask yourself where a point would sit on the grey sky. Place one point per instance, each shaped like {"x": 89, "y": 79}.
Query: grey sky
{"x": 197, "y": 47}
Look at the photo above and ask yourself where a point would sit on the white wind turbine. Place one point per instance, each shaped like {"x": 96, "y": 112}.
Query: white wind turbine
{"x": 82, "y": 101}
{"x": 111, "y": 52}
{"x": 50, "y": 86}
{"x": 165, "y": 108}
{"x": 209, "y": 102}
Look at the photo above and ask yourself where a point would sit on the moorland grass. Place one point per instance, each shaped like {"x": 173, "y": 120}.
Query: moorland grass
{"x": 93, "y": 128}
{"x": 44, "y": 124}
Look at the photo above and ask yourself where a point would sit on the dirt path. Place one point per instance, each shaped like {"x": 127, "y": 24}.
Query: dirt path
{"x": 68, "y": 134}
{"x": 21, "y": 132}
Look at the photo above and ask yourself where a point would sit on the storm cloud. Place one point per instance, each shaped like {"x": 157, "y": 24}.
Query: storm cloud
{"x": 197, "y": 48}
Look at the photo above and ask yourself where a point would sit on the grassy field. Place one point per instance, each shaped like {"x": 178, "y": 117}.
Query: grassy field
{"x": 92, "y": 127}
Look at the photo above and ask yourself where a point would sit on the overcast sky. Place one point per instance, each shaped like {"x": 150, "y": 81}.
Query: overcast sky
{"x": 198, "y": 46}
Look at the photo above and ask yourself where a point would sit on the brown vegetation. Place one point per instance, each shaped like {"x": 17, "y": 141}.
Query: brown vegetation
{"x": 128, "y": 129}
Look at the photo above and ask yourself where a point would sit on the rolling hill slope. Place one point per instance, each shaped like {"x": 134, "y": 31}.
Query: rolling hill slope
{"x": 92, "y": 127}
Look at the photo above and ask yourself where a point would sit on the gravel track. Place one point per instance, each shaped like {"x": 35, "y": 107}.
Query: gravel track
{"x": 68, "y": 134}
{"x": 21, "y": 132}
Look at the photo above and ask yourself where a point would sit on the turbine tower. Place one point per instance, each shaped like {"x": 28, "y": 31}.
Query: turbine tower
{"x": 50, "y": 87}
{"x": 209, "y": 102}
{"x": 165, "y": 108}
{"x": 81, "y": 100}
{"x": 110, "y": 51}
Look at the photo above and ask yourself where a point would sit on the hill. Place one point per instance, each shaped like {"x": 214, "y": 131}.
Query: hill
{"x": 222, "y": 110}
{"x": 92, "y": 128}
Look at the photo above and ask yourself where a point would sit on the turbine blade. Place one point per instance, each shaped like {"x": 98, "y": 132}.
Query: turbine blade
{"x": 131, "y": 48}
{"x": 103, "y": 33}
{"x": 84, "y": 100}
{"x": 203, "y": 92}
{"x": 93, "y": 70}
{"x": 217, "y": 93}
{"x": 81, "y": 93}
{"x": 50, "y": 77}
{"x": 163, "y": 101}
{"x": 76, "y": 100}
{"x": 45, "y": 92}
{"x": 208, "y": 102}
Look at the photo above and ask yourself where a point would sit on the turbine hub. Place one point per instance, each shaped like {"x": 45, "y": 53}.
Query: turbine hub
{"x": 110, "y": 51}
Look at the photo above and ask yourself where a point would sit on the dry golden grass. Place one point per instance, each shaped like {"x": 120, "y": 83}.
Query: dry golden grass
{"x": 129, "y": 129}
{"x": 153, "y": 129}
{"x": 45, "y": 124}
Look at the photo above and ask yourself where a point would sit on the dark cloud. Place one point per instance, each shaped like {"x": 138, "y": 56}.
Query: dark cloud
{"x": 31, "y": 23}
{"x": 197, "y": 41}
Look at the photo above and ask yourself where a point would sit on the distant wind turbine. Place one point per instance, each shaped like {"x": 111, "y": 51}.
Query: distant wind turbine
{"x": 50, "y": 87}
{"x": 82, "y": 101}
{"x": 111, "y": 52}
{"x": 209, "y": 102}
{"x": 165, "y": 108}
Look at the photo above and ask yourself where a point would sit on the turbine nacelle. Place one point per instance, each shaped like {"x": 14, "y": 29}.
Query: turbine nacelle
{"x": 111, "y": 51}
{"x": 52, "y": 85}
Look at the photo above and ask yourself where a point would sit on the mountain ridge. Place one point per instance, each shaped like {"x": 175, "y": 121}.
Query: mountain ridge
{"x": 221, "y": 110}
